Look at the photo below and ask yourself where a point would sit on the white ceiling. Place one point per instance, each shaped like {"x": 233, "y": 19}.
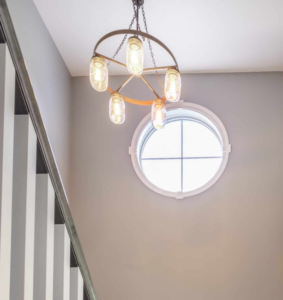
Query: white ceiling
{"x": 205, "y": 36}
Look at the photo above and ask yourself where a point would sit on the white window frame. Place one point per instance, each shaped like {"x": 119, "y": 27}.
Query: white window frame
{"x": 181, "y": 109}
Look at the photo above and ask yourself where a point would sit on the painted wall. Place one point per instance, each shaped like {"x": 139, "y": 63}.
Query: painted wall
{"x": 225, "y": 243}
{"x": 50, "y": 78}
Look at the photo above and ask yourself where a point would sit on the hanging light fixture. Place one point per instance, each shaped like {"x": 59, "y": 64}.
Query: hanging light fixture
{"x": 135, "y": 65}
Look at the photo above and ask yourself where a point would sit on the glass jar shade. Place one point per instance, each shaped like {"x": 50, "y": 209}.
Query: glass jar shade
{"x": 135, "y": 57}
{"x": 172, "y": 85}
{"x": 98, "y": 74}
{"x": 158, "y": 114}
{"x": 117, "y": 108}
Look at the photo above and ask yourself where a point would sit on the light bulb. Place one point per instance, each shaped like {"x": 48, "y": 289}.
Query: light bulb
{"x": 134, "y": 59}
{"x": 158, "y": 113}
{"x": 117, "y": 108}
{"x": 172, "y": 85}
{"x": 98, "y": 74}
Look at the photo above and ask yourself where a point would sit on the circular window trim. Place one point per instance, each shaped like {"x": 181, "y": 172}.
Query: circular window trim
{"x": 203, "y": 115}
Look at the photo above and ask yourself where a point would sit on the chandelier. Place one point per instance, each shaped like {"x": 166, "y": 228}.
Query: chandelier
{"x": 135, "y": 66}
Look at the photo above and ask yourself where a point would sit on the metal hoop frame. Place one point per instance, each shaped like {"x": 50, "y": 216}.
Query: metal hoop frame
{"x": 147, "y": 36}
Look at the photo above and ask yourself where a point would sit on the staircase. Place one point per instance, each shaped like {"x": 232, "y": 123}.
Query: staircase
{"x": 40, "y": 253}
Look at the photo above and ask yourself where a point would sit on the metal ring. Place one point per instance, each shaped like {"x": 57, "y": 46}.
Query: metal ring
{"x": 143, "y": 34}
{"x": 136, "y": 32}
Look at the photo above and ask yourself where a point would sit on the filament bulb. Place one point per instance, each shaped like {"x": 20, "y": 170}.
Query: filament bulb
{"x": 158, "y": 114}
{"x": 172, "y": 85}
{"x": 98, "y": 74}
{"x": 117, "y": 108}
{"x": 134, "y": 59}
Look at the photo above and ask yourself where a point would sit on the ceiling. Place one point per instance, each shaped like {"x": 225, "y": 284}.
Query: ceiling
{"x": 205, "y": 36}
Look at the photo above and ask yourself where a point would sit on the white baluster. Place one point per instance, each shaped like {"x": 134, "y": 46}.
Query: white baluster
{"x": 61, "y": 263}
{"x": 77, "y": 285}
{"x": 24, "y": 177}
{"x": 44, "y": 238}
{"x": 7, "y": 104}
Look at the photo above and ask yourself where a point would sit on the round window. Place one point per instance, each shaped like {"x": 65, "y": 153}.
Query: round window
{"x": 184, "y": 158}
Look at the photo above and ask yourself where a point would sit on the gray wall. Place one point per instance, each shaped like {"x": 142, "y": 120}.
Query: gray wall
{"x": 49, "y": 75}
{"x": 225, "y": 243}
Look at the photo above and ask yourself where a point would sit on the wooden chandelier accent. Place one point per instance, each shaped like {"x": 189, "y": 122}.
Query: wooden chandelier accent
{"x": 147, "y": 36}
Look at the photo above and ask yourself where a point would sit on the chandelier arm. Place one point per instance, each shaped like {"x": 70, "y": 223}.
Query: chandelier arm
{"x": 108, "y": 58}
{"x": 136, "y": 102}
{"x": 135, "y": 32}
{"x": 159, "y": 68}
{"x": 150, "y": 87}
{"x": 125, "y": 83}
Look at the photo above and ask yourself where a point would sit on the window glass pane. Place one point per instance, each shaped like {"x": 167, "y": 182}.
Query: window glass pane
{"x": 164, "y": 143}
{"x": 164, "y": 173}
{"x": 197, "y": 172}
{"x": 199, "y": 141}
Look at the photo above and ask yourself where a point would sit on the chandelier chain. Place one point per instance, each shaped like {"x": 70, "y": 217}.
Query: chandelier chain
{"x": 137, "y": 15}
{"x": 123, "y": 41}
{"x": 151, "y": 51}
{"x": 148, "y": 40}
{"x": 125, "y": 37}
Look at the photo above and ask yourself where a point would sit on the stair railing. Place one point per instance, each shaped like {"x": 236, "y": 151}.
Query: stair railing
{"x": 44, "y": 143}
